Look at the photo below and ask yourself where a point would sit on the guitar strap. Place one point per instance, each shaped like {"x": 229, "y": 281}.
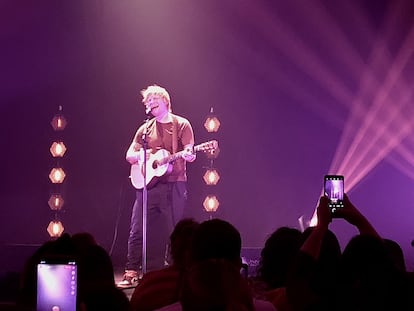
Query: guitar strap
{"x": 175, "y": 134}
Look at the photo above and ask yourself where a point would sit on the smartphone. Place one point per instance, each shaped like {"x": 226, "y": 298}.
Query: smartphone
{"x": 334, "y": 190}
{"x": 56, "y": 286}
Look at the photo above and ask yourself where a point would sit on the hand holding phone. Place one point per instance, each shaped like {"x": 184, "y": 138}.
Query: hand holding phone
{"x": 334, "y": 191}
{"x": 323, "y": 213}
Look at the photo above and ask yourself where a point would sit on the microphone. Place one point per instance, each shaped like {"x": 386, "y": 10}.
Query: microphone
{"x": 147, "y": 109}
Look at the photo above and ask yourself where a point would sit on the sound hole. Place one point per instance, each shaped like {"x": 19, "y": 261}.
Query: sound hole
{"x": 154, "y": 164}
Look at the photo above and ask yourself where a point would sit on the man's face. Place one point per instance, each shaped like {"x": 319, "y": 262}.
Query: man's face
{"x": 158, "y": 105}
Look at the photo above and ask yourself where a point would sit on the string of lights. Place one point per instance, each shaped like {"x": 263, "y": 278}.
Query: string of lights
{"x": 57, "y": 175}
{"x": 211, "y": 176}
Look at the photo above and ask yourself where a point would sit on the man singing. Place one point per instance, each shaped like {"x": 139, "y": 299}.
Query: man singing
{"x": 166, "y": 194}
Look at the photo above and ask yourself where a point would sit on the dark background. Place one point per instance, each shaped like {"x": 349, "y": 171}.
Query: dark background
{"x": 282, "y": 77}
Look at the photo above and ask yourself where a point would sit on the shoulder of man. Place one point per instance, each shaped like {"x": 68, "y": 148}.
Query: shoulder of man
{"x": 180, "y": 119}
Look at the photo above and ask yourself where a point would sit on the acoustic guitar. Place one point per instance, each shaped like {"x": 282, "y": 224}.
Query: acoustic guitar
{"x": 159, "y": 164}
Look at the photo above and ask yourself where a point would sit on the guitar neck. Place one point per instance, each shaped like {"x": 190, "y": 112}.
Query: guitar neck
{"x": 171, "y": 158}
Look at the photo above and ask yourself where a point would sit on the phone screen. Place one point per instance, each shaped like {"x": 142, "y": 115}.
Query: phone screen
{"x": 56, "y": 286}
{"x": 334, "y": 190}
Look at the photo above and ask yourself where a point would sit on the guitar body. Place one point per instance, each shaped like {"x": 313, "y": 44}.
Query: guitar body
{"x": 159, "y": 164}
{"x": 154, "y": 170}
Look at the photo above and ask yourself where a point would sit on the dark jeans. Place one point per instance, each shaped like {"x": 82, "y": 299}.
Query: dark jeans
{"x": 166, "y": 203}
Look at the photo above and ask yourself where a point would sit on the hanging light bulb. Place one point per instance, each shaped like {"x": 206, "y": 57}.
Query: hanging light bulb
{"x": 212, "y": 123}
{"x": 58, "y": 149}
{"x": 59, "y": 122}
{"x": 55, "y": 228}
{"x": 211, "y": 203}
{"x": 57, "y": 175}
{"x": 56, "y": 202}
{"x": 211, "y": 177}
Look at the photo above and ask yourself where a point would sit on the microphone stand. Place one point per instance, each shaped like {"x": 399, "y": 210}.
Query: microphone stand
{"x": 144, "y": 198}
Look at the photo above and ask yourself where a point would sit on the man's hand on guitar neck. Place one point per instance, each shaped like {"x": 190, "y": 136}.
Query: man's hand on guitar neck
{"x": 188, "y": 153}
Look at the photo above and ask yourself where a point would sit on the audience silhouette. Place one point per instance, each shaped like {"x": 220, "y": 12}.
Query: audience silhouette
{"x": 363, "y": 277}
{"x": 297, "y": 271}
{"x": 213, "y": 280}
{"x": 96, "y": 288}
{"x": 277, "y": 255}
{"x": 160, "y": 288}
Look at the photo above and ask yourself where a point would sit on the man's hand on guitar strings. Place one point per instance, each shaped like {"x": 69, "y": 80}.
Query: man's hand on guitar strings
{"x": 140, "y": 155}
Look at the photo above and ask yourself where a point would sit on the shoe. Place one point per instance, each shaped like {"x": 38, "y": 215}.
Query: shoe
{"x": 129, "y": 280}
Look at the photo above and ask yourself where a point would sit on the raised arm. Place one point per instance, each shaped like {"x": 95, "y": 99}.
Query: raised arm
{"x": 352, "y": 215}
{"x": 312, "y": 245}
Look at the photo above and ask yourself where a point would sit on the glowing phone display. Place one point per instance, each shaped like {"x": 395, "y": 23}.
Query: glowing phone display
{"x": 56, "y": 286}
